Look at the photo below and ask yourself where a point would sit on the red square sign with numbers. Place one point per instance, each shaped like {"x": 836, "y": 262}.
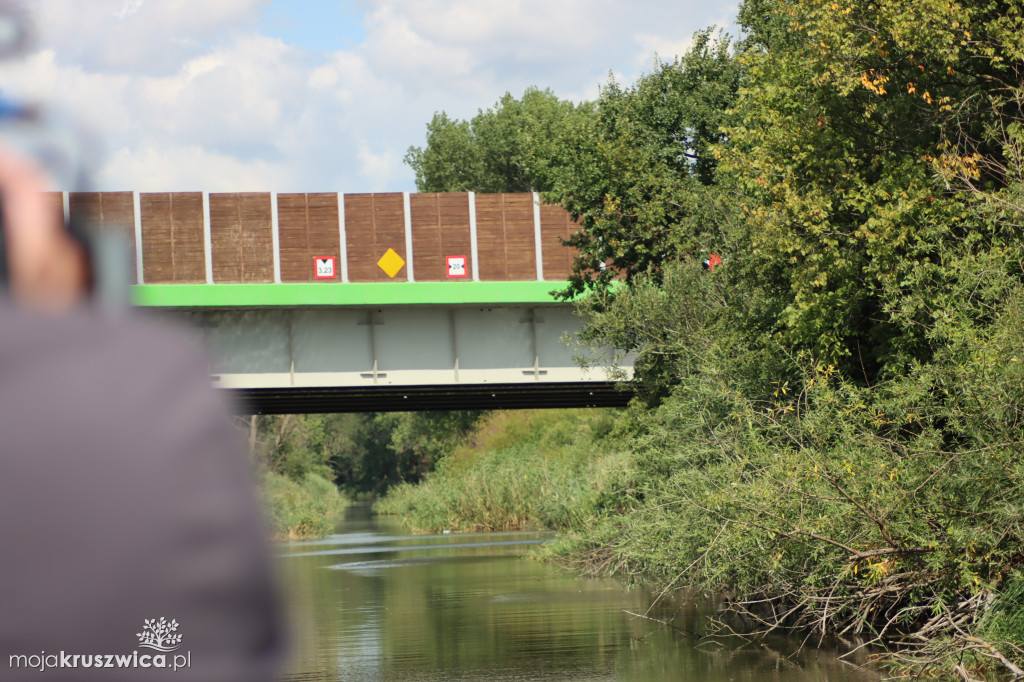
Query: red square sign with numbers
{"x": 456, "y": 266}
{"x": 324, "y": 267}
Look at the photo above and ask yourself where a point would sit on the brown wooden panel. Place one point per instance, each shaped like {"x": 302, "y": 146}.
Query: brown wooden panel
{"x": 307, "y": 228}
{"x": 172, "y": 237}
{"x": 490, "y": 236}
{"x": 113, "y": 211}
{"x": 556, "y": 224}
{"x": 505, "y": 239}
{"x": 373, "y": 224}
{"x": 440, "y": 228}
{"x": 241, "y": 237}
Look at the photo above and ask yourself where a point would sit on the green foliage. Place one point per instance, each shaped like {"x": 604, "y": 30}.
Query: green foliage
{"x": 832, "y": 422}
{"x": 838, "y": 133}
{"x": 1004, "y": 622}
{"x": 363, "y": 453}
{"x": 503, "y": 149}
{"x": 377, "y": 451}
{"x": 305, "y": 459}
{"x": 516, "y": 470}
{"x": 835, "y": 414}
{"x": 881, "y": 510}
{"x": 294, "y": 446}
{"x": 428, "y": 437}
{"x": 304, "y": 509}
{"x": 638, "y": 173}
{"x": 685, "y": 325}
{"x": 361, "y": 458}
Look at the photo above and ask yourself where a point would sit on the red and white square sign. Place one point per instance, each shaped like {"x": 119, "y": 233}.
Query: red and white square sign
{"x": 456, "y": 266}
{"x": 324, "y": 267}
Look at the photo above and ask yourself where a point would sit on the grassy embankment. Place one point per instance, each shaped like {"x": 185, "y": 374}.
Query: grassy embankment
{"x": 300, "y": 510}
{"x": 531, "y": 469}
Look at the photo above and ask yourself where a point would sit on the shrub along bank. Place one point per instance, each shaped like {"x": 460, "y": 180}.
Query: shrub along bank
{"x": 300, "y": 509}
{"x": 529, "y": 469}
{"x": 891, "y": 511}
{"x": 305, "y": 462}
{"x": 832, "y": 427}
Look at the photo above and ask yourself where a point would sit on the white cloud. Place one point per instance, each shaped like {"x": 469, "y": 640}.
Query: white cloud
{"x": 138, "y": 36}
{"x": 377, "y": 168}
{"x": 666, "y": 48}
{"x": 187, "y": 93}
{"x": 129, "y": 7}
{"x": 186, "y": 168}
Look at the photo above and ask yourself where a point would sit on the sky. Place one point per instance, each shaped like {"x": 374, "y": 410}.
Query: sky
{"x": 317, "y": 95}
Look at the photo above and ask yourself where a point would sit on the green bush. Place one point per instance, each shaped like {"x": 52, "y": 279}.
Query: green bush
{"x": 1004, "y": 621}
{"x": 519, "y": 470}
{"x": 301, "y": 510}
{"x": 890, "y": 510}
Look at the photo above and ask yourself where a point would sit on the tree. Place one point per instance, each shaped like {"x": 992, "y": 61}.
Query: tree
{"x": 840, "y": 426}
{"x": 503, "y": 149}
{"x": 641, "y": 174}
{"x": 833, "y": 150}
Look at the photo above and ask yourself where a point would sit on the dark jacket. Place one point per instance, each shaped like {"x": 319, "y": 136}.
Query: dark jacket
{"x": 123, "y": 497}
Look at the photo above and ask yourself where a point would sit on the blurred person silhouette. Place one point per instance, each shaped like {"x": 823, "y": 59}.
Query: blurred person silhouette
{"x": 124, "y": 494}
{"x": 130, "y": 536}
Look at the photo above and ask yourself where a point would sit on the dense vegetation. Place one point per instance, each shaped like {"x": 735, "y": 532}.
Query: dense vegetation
{"x": 831, "y": 421}
{"x": 306, "y": 462}
{"x": 516, "y": 470}
{"x": 504, "y": 149}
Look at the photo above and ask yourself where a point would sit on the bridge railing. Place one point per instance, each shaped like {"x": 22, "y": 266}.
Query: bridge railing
{"x": 266, "y": 237}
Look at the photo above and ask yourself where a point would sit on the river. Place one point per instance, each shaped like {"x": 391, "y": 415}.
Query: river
{"x": 373, "y": 602}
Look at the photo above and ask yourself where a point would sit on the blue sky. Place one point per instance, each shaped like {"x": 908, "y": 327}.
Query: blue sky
{"x": 318, "y": 95}
{"x": 316, "y": 27}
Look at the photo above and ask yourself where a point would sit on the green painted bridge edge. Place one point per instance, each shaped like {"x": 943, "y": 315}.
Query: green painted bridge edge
{"x": 336, "y": 294}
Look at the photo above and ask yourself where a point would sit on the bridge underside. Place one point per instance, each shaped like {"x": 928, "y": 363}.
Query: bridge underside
{"x": 429, "y": 397}
{"x": 400, "y": 358}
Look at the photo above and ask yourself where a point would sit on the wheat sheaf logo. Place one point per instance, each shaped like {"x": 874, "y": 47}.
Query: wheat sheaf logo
{"x": 159, "y": 634}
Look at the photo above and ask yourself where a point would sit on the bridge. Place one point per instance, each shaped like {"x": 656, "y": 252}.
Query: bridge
{"x": 356, "y": 302}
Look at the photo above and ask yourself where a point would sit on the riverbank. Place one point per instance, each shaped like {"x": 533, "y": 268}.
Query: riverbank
{"x": 372, "y": 603}
{"x": 515, "y": 470}
{"x": 812, "y": 514}
{"x": 677, "y": 498}
{"x": 300, "y": 510}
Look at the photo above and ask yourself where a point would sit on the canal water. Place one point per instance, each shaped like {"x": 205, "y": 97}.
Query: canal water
{"x": 374, "y": 602}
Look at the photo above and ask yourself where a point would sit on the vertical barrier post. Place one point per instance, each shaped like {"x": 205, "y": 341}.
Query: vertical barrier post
{"x": 474, "y": 256}
{"x": 343, "y": 251}
{"x": 137, "y": 219}
{"x": 275, "y": 237}
{"x": 408, "y": 237}
{"x": 537, "y": 237}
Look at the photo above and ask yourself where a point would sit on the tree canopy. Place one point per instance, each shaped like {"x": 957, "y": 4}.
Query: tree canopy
{"x": 638, "y": 173}
{"x": 503, "y": 149}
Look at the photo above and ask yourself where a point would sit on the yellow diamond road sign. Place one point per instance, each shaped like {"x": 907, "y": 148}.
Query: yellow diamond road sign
{"x": 390, "y": 263}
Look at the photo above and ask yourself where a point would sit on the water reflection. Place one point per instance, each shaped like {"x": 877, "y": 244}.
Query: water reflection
{"x": 373, "y": 603}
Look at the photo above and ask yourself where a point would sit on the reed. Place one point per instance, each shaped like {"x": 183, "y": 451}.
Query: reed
{"x": 515, "y": 471}
{"x": 297, "y": 510}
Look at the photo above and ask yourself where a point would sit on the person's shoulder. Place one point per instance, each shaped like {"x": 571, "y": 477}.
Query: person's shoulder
{"x": 82, "y": 332}
{"x": 125, "y": 357}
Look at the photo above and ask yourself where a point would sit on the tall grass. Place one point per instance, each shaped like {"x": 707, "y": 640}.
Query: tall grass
{"x": 305, "y": 509}
{"x": 516, "y": 470}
